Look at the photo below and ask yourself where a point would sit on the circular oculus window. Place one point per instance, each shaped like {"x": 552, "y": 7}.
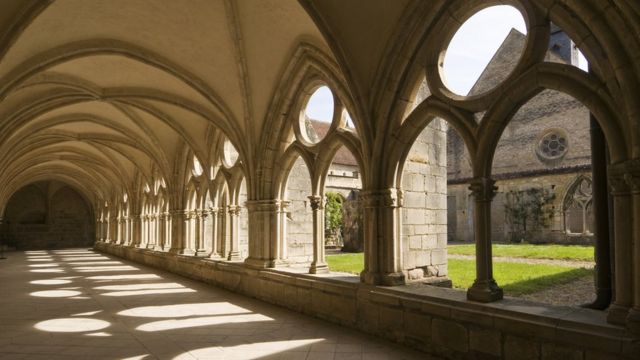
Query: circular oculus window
{"x": 553, "y": 145}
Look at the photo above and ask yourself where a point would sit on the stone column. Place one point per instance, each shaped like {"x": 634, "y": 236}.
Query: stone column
{"x": 178, "y": 222}
{"x": 484, "y": 288}
{"x": 188, "y": 233}
{"x": 215, "y": 251}
{"x": 264, "y": 231}
{"x": 234, "y": 233}
{"x": 622, "y": 279}
{"x": 168, "y": 236}
{"x": 98, "y": 229}
{"x": 161, "y": 234}
{"x": 201, "y": 249}
{"x": 633, "y": 179}
{"x": 382, "y": 248}
{"x": 136, "y": 230}
{"x": 318, "y": 265}
{"x": 601, "y": 218}
{"x": 152, "y": 240}
{"x": 144, "y": 220}
{"x": 281, "y": 240}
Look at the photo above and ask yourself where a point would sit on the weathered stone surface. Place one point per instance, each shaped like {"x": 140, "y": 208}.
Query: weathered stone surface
{"x": 450, "y": 334}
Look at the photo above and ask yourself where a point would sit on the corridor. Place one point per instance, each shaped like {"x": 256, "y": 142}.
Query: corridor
{"x": 80, "y": 304}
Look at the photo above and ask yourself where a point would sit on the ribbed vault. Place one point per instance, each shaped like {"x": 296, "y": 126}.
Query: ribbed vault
{"x": 105, "y": 94}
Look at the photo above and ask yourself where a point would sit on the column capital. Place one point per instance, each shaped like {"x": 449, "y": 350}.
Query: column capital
{"x": 234, "y": 210}
{"x": 633, "y": 180}
{"x": 316, "y": 202}
{"x": 271, "y": 205}
{"x": 619, "y": 184}
{"x": 483, "y": 188}
{"x": 390, "y": 198}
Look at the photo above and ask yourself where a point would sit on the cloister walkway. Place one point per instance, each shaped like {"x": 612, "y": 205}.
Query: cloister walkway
{"x": 80, "y": 304}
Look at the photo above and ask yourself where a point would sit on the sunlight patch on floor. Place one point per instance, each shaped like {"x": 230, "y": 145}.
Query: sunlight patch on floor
{"x": 251, "y": 351}
{"x": 72, "y": 325}
{"x": 185, "y": 310}
{"x": 173, "y": 324}
{"x": 55, "y": 293}
{"x": 49, "y": 282}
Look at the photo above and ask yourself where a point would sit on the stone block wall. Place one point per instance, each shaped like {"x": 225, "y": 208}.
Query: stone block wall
{"x": 435, "y": 320}
{"x": 48, "y": 215}
{"x": 424, "y": 212}
{"x": 299, "y": 217}
{"x": 461, "y": 215}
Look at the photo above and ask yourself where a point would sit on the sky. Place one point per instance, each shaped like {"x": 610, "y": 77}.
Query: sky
{"x": 469, "y": 52}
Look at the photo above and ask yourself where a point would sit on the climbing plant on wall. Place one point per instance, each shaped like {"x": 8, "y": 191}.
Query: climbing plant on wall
{"x": 528, "y": 210}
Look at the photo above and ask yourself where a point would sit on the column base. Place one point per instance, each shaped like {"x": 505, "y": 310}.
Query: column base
{"x": 485, "y": 291}
{"x": 617, "y": 314}
{"x": 151, "y": 246}
{"x": 187, "y": 252}
{"x": 201, "y": 253}
{"x": 259, "y": 263}
{"x": 633, "y": 321}
{"x": 390, "y": 279}
{"x": 215, "y": 256}
{"x": 234, "y": 256}
{"x": 321, "y": 268}
{"x": 602, "y": 301}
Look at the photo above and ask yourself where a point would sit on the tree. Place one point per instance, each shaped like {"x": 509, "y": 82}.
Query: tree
{"x": 528, "y": 210}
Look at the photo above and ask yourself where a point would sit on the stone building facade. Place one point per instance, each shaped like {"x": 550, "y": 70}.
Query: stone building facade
{"x": 546, "y": 147}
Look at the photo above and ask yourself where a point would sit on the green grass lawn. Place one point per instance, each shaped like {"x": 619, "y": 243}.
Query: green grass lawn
{"x": 559, "y": 252}
{"x": 514, "y": 278}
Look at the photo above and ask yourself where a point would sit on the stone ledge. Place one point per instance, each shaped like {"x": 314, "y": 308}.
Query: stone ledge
{"x": 392, "y": 312}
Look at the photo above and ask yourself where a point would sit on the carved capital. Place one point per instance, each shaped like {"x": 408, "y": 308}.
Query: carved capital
{"x": 483, "y": 189}
{"x": 619, "y": 184}
{"x": 233, "y": 210}
{"x": 316, "y": 202}
{"x": 633, "y": 180}
{"x": 263, "y": 205}
{"x": 381, "y": 198}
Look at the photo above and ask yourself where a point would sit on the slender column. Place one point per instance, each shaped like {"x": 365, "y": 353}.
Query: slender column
{"x": 601, "y": 218}
{"x": 136, "y": 231}
{"x": 127, "y": 231}
{"x": 318, "y": 265}
{"x": 633, "y": 179}
{"x": 622, "y": 207}
{"x": 160, "y": 244}
{"x": 153, "y": 234}
{"x": 382, "y": 248}
{"x": 98, "y": 229}
{"x": 201, "y": 216}
{"x": 215, "y": 250}
{"x": 282, "y": 215}
{"x": 234, "y": 233}
{"x": 144, "y": 221}
{"x": 264, "y": 233}
{"x": 188, "y": 233}
{"x": 168, "y": 236}
{"x": 484, "y": 288}
{"x": 178, "y": 222}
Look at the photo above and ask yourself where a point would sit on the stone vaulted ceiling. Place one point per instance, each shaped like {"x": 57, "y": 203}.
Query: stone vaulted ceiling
{"x": 95, "y": 93}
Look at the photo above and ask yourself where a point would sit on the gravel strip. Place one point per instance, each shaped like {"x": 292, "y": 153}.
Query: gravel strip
{"x": 569, "y": 263}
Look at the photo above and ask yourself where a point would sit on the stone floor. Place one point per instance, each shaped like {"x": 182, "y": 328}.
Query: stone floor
{"x": 79, "y": 304}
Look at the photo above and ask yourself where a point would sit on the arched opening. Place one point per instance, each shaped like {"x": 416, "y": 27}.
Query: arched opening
{"x": 343, "y": 213}
{"x": 48, "y": 215}
{"x": 543, "y": 169}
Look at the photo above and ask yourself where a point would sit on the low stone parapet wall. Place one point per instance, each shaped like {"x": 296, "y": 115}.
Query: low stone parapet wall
{"x": 435, "y": 320}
